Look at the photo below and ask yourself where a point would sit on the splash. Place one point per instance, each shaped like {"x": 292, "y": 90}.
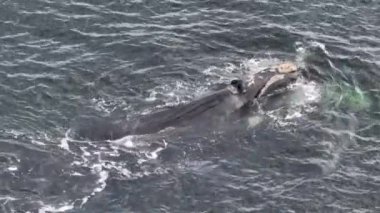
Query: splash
{"x": 304, "y": 93}
{"x": 299, "y": 100}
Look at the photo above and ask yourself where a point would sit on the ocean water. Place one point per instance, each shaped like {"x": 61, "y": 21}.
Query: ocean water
{"x": 315, "y": 149}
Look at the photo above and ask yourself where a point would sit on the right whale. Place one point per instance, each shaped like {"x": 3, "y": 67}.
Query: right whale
{"x": 207, "y": 109}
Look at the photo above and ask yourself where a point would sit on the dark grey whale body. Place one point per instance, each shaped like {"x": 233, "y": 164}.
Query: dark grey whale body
{"x": 210, "y": 108}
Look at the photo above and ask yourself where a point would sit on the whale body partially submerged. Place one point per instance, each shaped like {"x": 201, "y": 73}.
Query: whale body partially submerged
{"x": 207, "y": 109}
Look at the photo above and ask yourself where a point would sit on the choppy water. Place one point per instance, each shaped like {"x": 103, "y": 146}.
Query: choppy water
{"x": 315, "y": 151}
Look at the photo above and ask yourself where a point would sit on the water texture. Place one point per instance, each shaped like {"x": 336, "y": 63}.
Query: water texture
{"x": 316, "y": 149}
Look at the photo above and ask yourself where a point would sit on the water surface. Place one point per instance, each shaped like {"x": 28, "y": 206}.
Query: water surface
{"x": 315, "y": 150}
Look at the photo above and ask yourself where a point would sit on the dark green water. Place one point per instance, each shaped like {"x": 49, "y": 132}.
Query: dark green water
{"x": 316, "y": 150}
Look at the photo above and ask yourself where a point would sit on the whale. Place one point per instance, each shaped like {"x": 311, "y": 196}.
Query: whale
{"x": 226, "y": 102}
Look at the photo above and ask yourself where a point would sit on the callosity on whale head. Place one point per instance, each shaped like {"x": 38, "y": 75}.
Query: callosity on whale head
{"x": 268, "y": 80}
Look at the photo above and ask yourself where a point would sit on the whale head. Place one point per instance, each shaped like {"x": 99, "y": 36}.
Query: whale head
{"x": 271, "y": 79}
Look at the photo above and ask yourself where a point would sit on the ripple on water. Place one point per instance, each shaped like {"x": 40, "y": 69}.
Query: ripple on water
{"x": 63, "y": 59}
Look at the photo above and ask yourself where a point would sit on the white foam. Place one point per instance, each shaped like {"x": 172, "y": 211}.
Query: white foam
{"x": 301, "y": 98}
{"x": 64, "y": 141}
{"x": 84, "y": 151}
{"x": 103, "y": 106}
{"x": 321, "y": 46}
{"x": 220, "y": 74}
{"x": 305, "y": 92}
{"x": 49, "y": 208}
{"x": 254, "y": 121}
{"x": 152, "y": 96}
{"x": 8, "y": 198}
{"x": 77, "y": 174}
{"x": 15, "y": 133}
{"x": 154, "y": 154}
{"x": 36, "y": 142}
{"x": 256, "y": 65}
{"x": 125, "y": 172}
{"x": 101, "y": 182}
{"x": 12, "y": 168}
{"x": 173, "y": 94}
{"x": 293, "y": 115}
{"x": 126, "y": 141}
{"x": 64, "y": 144}
{"x": 210, "y": 71}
